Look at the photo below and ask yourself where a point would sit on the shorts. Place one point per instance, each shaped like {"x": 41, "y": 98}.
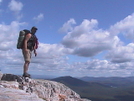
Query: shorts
{"x": 27, "y": 55}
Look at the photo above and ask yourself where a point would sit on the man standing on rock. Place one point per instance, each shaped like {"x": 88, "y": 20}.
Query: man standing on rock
{"x": 30, "y": 44}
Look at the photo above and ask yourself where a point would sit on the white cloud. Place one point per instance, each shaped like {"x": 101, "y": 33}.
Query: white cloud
{"x": 9, "y": 35}
{"x": 99, "y": 68}
{"x": 9, "y": 58}
{"x": 0, "y": 1}
{"x": 50, "y": 56}
{"x": 86, "y": 40}
{"x": 40, "y": 17}
{"x": 67, "y": 26}
{"x": 122, "y": 54}
{"x": 15, "y": 6}
{"x": 49, "y": 52}
{"x": 125, "y": 26}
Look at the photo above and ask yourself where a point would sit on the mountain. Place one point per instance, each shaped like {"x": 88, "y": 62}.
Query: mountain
{"x": 68, "y": 80}
{"x": 17, "y": 88}
{"x": 100, "y": 79}
{"x": 111, "y": 81}
{"x": 101, "y": 88}
{"x": 75, "y": 82}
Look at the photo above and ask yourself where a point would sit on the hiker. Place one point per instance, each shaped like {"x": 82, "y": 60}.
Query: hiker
{"x": 29, "y": 46}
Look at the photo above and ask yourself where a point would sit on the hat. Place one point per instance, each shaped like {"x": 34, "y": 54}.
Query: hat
{"x": 34, "y": 28}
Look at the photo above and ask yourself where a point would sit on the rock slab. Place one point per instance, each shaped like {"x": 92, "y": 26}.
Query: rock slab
{"x": 17, "y": 88}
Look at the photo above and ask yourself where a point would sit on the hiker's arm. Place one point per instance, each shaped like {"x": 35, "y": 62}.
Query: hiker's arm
{"x": 35, "y": 52}
{"x": 26, "y": 40}
{"x": 35, "y": 46}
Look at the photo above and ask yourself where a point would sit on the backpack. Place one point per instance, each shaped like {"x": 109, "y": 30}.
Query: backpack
{"x": 21, "y": 37}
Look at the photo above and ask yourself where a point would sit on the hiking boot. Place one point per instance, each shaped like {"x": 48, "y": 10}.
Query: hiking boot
{"x": 26, "y": 75}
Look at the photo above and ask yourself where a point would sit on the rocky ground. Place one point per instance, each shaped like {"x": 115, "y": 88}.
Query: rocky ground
{"x": 17, "y": 88}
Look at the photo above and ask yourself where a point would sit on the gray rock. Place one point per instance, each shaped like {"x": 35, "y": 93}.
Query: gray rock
{"x": 10, "y": 94}
{"x": 17, "y": 88}
{"x": 11, "y": 77}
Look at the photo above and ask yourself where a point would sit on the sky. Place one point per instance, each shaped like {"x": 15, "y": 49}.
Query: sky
{"x": 76, "y": 37}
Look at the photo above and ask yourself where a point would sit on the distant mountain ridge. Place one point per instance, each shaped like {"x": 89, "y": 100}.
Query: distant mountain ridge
{"x": 113, "y": 81}
{"x": 75, "y": 82}
{"x": 101, "y": 88}
{"x": 86, "y": 78}
{"x": 71, "y": 81}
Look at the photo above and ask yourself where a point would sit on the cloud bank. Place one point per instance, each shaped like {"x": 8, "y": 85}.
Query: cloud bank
{"x": 85, "y": 40}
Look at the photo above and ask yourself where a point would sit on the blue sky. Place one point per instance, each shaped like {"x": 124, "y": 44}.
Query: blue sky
{"x": 76, "y": 37}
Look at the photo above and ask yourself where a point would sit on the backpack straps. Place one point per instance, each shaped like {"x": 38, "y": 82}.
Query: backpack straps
{"x": 36, "y": 43}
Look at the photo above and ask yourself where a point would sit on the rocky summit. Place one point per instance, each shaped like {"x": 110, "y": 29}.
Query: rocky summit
{"x": 17, "y": 88}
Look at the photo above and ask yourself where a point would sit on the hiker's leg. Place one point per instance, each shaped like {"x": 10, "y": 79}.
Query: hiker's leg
{"x": 27, "y": 59}
{"x": 25, "y": 67}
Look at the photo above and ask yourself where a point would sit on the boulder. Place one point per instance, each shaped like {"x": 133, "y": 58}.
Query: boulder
{"x": 16, "y": 88}
{"x": 11, "y": 77}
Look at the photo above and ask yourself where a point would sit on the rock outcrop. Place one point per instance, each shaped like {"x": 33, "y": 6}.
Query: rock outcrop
{"x": 17, "y": 88}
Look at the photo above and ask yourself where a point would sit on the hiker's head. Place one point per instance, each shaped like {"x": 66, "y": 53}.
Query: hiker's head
{"x": 33, "y": 30}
